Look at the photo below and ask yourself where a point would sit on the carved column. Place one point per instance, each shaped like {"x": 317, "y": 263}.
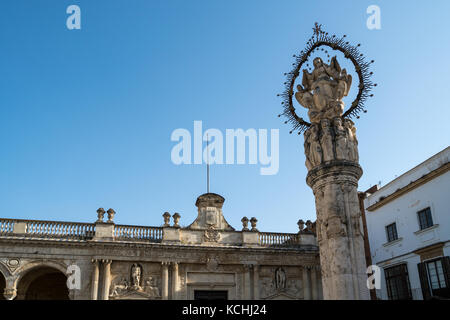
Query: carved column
{"x": 106, "y": 278}
{"x": 256, "y": 282}
{"x": 95, "y": 276}
{"x": 165, "y": 280}
{"x": 175, "y": 281}
{"x": 306, "y": 284}
{"x": 332, "y": 161}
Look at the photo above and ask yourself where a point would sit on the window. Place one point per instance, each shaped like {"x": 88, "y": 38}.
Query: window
{"x": 397, "y": 282}
{"x": 435, "y": 278}
{"x": 436, "y": 274}
{"x": 391, "y": 231}
{"x": 425, "y": 219}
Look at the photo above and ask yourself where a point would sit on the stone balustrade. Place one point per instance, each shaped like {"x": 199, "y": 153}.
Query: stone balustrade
{"x": 87, "y": 231}
{"x": 272, "y": 239}
{"x": 152, "y": 234}
{"x": 6, "y": 226}
{"x": 47, "y": 229}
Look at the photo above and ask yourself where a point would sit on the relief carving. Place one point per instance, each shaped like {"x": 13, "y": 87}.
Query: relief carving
{"x": 135, "y": 286}
{"x": 327, "y": 141}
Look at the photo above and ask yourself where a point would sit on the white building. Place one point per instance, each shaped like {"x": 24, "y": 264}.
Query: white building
{"x": 408, "y": 222}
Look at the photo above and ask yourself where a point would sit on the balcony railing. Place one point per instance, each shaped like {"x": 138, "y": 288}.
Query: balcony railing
{"x": 271, "y": 239}
{"x": 47, "y": 229}
{"x": 152, "y": 234}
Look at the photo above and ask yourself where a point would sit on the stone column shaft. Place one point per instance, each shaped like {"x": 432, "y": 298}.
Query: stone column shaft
{"x": 165, "y": 281}
{"x": 95, "y": 276}
{"x": 175, "y": 281}
{"x": 106, "y": 279}
{"x": 333, "y": 174}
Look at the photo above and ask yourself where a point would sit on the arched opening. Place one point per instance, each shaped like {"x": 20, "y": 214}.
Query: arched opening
{"x": 43, "y": 283}
{"x": 2, "y": 286}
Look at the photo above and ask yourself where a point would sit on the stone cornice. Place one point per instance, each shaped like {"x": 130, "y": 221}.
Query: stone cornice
{"x": 12, "y": 241}
{"x": 413, "y": 185}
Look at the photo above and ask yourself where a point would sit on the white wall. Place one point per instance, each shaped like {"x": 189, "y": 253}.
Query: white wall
{"x": 403, "y": 211}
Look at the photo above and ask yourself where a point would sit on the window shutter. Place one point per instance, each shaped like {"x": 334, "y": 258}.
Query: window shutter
{"x": 446, "y": 267}
{"x": 423, "y": 274}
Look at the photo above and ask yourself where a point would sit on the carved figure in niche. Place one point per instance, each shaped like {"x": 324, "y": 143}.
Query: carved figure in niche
{"x": 267, "y": 287}
{"x": 280, "y": 279}
{"x": 341, "y": 140}
{"x": 294, "y": 288}
{"x": 323, "y": 90}
{"x": 151, "y": 288}
{"x": 326, "y": 141}
{"x": 119, "y": 288}
{"x": 136, "y": 272}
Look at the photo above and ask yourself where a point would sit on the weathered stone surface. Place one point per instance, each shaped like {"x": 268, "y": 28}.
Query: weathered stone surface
{"x": 331, "y": 150}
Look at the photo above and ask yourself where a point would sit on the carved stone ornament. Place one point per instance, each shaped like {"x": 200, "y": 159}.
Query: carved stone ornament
{"x": 335, "y": 140}
{"x": 211, "y": 235}
{"x": 13, "y": 264}
{"x": 322, "y": 89}
{"x": 166, "y": 217}
{"x": 137, "y": 287}
{"x": 111, "y": 214}
{"x": 100, "y": 214}
{"x": 212, "y": 263}
{"x": 244, "y": 221}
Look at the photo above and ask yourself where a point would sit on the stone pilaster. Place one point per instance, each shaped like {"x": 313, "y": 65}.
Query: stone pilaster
{"x": 247, "y": 281}
{"x": 256, "y": 282}
{"x": 314, "y": 287}
{"x": 332, "y": 160}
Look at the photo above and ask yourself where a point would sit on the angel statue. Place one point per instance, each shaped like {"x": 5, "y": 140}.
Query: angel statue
{"x": 322, "y": 90}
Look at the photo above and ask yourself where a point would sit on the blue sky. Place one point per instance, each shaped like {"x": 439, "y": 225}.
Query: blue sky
{"x": 86, "y": 115}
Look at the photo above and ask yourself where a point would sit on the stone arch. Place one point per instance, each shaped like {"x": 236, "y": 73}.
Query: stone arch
{"x": 3, "y": 274}
{"x": 42, "y": 280}
{"x": 4, "y": 270}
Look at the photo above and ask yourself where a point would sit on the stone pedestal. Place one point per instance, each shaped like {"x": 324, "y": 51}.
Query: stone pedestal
{"x": 332, "y": 160}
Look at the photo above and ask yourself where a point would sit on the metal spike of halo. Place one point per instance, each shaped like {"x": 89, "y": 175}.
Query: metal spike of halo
{"x": 321, "y": 38}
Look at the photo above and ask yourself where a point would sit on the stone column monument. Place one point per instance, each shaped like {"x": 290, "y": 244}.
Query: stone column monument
{"x": 331, "y": 150}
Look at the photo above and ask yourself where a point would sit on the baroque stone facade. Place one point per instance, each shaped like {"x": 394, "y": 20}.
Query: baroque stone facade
{"x": 106, "y": 261}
